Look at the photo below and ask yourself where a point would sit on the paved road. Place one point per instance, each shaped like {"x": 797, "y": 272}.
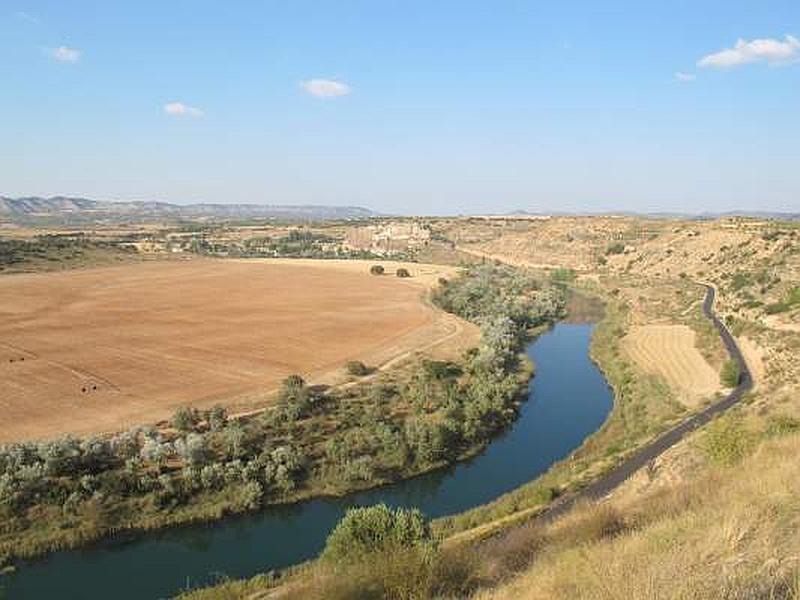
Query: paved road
{"x": 644, "y": 455}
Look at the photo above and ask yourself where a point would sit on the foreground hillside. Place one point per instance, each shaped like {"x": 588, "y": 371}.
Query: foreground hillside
{"x": 728, "y": 531}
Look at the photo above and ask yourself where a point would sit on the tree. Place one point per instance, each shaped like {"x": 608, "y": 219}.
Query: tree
{"x": 235, "y": 438}
{"x": 357, "y": 368}
{"x": 376, "y": 270}
{"x": 401, "y": 272}
{"x": 185, "y": 418}
{"x": 730, "y": 375}
{"x": 194, "y": 449}
{"x": 217, "y": 417}
{"x": 294, "y": 398}
{"x": 363, "y": 532}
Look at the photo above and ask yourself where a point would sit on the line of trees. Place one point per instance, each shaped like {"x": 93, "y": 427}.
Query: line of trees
{"x": 311, "y": 440}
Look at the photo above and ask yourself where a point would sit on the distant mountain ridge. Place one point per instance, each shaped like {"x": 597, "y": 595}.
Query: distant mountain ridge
{"x": 64, "y": 209}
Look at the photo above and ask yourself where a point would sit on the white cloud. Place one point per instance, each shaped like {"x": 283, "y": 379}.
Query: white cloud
{"x": 767, "y": 50}
{"x": 685, "y": 77}
{"x": 326, "y": 88}
{"x": 65, "y": 54}
{"x": 179, "y": 109}
{"x": 25, "y": 16}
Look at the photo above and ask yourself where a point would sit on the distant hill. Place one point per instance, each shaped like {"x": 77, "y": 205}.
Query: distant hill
{"x": 60, "y": 209}
{"x": 758, "y": 214}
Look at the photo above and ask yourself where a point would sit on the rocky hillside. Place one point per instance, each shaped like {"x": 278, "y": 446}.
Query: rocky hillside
{"x": 81, "y": 210}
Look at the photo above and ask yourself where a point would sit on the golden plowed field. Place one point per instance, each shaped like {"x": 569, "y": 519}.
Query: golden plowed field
{"x": 103, "y": 349}
{"x": 669, "y": 351}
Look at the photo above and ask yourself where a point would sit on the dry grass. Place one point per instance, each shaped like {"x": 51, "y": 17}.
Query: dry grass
{"x": 670, "y": 352}
{"x": 730, "y": 533}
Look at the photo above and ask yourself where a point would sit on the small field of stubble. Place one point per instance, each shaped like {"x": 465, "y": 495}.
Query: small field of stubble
{"x": 99, "y": 350}
{"x": 670, "y": 351}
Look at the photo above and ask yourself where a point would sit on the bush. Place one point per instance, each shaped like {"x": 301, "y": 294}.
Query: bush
{"x": 782, "y": 425}
{"x": 730, "y": 375}
{"x": 363, "y": 532}
{"x": 217, "y": 417}
{"x": 294, "y": 399}
{"x": 403, "y": 272}
{"x": 357, "y": 368}
{"x": 377, "y": 270}
{"x": 185, "y": 419}
{"x": 616, "y": 248}
{"x": 726, "y": 442}
{"x": 563, "y": 275}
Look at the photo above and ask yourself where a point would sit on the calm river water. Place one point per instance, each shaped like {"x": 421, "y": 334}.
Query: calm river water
{"x": 567, "y": 400}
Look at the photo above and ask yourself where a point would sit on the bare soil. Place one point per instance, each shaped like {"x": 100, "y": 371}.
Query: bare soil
{"x": 100, "y": 350}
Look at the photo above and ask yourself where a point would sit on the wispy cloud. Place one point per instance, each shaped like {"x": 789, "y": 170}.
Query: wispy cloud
{"x": 66, "y": 54}
{"x": 768, "y": 50}
{"x": 685, "y": 77}
{"x": 326, "y": 88}
{"x": 179, "y": 109}
{"x": 28, "y": 17}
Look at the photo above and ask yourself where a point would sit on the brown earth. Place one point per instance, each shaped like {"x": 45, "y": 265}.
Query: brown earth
{"x": 104, "y": 349}
{"x": 670, "y": 351}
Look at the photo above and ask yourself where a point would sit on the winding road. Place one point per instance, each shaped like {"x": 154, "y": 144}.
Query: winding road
{"x": 619, "y": 474}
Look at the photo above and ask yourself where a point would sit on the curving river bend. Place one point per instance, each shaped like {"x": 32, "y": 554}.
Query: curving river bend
{"x": 567, "y": 401}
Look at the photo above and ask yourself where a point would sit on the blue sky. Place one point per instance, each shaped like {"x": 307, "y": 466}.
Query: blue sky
{"x": 409, "y": 107}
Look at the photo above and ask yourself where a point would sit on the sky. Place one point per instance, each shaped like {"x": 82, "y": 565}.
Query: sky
{"x": 405, "y": 107}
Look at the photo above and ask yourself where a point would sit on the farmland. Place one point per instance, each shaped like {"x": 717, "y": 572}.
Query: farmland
{"x": 669, "y": 351}
{"x": 98, "y": 350}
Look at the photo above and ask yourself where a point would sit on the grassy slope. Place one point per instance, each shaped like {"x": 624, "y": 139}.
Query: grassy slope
{"x": 729, "y": 532}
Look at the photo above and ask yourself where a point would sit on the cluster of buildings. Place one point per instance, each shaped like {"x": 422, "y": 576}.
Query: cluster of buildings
{"x": 388, "y": 238}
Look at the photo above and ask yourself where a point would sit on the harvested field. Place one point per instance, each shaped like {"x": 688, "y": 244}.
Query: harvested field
{"x": 670, "y": 351}
{"x": 100, "y": 350}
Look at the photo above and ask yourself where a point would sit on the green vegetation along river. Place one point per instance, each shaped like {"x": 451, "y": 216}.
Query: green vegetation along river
{"x": 567, "y": 401}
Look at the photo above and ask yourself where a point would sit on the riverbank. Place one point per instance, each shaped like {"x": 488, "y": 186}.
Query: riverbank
{"x": 516, "y": 543}
{"x": 409, "y": 414}
{"x": 277, "y": 537}
{"x": 643, "y": 406}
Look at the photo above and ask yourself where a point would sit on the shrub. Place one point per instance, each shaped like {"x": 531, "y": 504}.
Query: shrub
{"x": 616, "y": 248}
{"x": 185, "y": 419}
{"x": 249, "y": 496}
{"x": 294, "y": 399}
{"x": 726, "y": 441}
{"x": 782, "y": 425}
{"x": 376, "y": 270}
{"x": 563, "y": 275}
{"x": 217, "y": 417}
{"x": 365, "y": 531}
{"x": 193, "y": 449}
{"x": 401, "y": 272}
{"x": 357, "y": 368}
{"x": 730, "y": 375}
{"x": 740, "y": 281}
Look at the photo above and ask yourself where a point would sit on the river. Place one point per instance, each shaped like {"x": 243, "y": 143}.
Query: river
{"x": 567, "y": 401}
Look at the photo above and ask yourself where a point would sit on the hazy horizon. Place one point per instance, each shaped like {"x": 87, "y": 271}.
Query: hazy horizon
{"x": 452, "y": 108}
